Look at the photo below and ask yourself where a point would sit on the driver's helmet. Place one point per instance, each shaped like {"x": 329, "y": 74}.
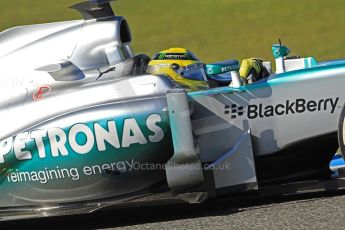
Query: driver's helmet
{"x": 181, "y": 66}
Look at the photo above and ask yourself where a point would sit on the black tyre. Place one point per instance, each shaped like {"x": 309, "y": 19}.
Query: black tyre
{"x": 341, "y": 132}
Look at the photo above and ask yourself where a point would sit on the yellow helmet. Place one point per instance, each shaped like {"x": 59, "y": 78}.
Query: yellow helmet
{"x": 182, "y": 66}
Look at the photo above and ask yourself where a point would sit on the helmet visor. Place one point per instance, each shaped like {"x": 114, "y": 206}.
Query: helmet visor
{"x": 194, "y": 72}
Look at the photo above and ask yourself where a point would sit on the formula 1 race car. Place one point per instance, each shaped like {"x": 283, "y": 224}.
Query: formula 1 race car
{"x": 85, "y": 127}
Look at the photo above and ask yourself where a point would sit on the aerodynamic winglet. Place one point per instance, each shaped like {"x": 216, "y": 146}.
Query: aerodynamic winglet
{"x": 97, "y": 9}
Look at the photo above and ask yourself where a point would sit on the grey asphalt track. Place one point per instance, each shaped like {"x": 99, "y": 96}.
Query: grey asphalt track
{"x": 312, "y": 211}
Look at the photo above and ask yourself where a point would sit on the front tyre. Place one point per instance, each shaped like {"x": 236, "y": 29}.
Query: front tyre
{"x": 341, "y": 132}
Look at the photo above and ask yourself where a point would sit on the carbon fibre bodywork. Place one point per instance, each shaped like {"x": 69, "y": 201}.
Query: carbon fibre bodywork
{"x": 83, "y": 127}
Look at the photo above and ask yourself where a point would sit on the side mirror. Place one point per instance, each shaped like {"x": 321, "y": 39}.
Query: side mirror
{"x": 280, "y": 51}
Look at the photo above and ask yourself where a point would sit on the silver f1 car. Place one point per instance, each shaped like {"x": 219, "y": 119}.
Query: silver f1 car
{"x": 83, "y": 127}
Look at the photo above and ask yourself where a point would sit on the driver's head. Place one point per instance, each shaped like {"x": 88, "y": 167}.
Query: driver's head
{"x": 180, "y": 65}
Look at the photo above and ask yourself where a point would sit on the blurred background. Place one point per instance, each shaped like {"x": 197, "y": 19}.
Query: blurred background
{"x": 212, "y": 29}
